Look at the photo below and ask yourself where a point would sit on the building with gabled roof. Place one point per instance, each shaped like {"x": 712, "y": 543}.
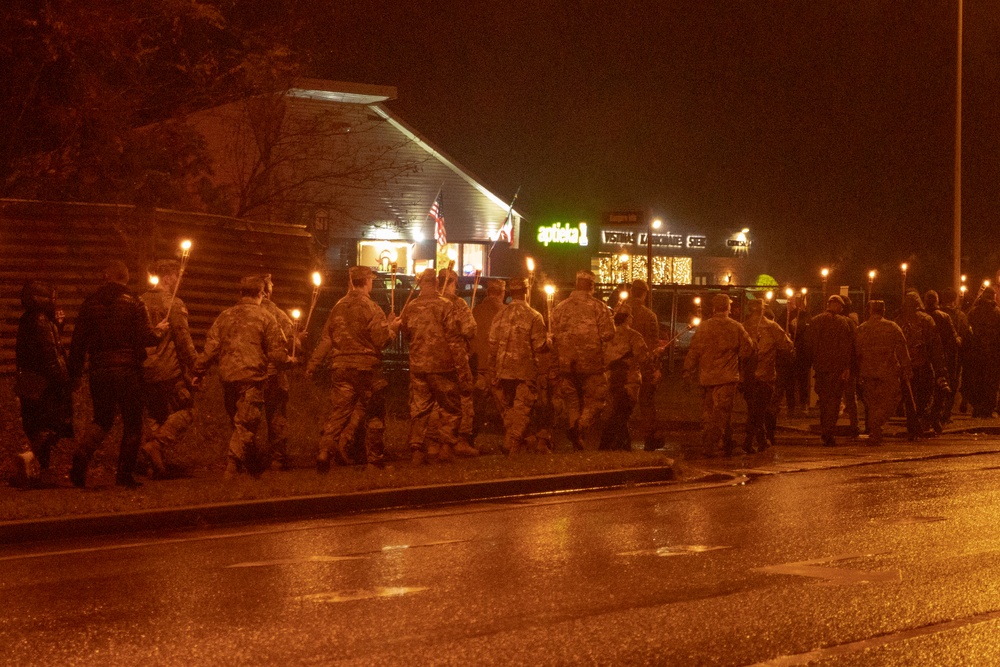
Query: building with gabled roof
{"x": 331, "y": 155}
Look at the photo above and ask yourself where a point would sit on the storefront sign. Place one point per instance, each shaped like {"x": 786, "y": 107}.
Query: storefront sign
{"x": 563, "y": 234}
{"x": 614, "y": 237}
{"x": 626, "y": 218}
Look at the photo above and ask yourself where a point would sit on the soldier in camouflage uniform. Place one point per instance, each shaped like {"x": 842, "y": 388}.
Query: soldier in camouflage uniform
{"x": 581, "y": 328}
{"x": 926, "y": 361}
{"x": 426, "y": 322}
{"x": 944, "y": 388}
{"x": 718, "y": 346}
{"x": 982, "y": 364}
{"x": 484, "y": 313}
{"x": 759, "y": 386}
{"x": 644, "y": 321}
{"x": 354, "y": 335}
{"x": 166, "y": 371}
{"x": 830, "y": 347}
{"x": 461, "y": 345}
{"x": 276, "y": 388}
{"x": 243, "y": 340}
{"x": 625, "y": 357}
{"x": 517, "y": 338}
{"x": 882, "y": 359}
{"x": 963, "y": 335}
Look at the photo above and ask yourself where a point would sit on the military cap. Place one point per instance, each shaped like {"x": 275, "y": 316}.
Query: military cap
{"x": 721, "y": 302}
{"x": 446, "y": 276}
{"x": 639, "y": 285}
{"x": 756, "y": 305}
{"x": 359, "y": 273}
{"x": 837, "y": 298}
{"x": 584, "y": 274}
{"x": 989, "y": 293}
{"x": 252, "y": 282}
{"x": 517, "y": 285}
{"x": 427, "y": 277}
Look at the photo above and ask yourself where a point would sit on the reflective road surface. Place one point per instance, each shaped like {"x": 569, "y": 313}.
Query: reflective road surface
{"x": 892, "y": 564}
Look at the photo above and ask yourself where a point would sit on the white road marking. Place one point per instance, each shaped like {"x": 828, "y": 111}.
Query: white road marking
{"x": 352, "y": 596}
{"x": 834, "y": 576}
{"x": 676, "y": 550}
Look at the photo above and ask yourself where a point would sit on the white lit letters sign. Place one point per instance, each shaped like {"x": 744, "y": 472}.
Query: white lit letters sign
{"x": 563, "y": 234}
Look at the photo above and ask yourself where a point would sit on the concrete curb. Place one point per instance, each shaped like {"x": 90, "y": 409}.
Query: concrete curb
{"x": 303, "y": 507}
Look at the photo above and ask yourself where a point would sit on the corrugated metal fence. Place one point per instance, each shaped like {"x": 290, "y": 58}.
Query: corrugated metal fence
{"x": 68, "y": 245}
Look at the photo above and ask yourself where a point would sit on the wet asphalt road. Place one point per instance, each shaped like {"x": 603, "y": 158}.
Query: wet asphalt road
{"x": 892, "y": 564}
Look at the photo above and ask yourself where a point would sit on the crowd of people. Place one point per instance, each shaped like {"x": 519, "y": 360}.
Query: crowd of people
{"x": 588, "y": 360}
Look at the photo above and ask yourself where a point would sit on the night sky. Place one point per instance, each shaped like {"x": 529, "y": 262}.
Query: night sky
{"x": 826, "y": 127}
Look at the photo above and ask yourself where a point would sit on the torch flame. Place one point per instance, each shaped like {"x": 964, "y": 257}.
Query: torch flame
{"x": 825, "y": 272}
{"x": 695, "y": 322}
{"x": 550, "y": 289}
{"x": 154, "y": 280}
{"x": 789, "y": 292}
{"x": 623, "y": 295}
{"x": 317, "y": 278}
{"x": 531, "y": 264}
{"x": 769, "y": 295}
{"x": 186, "y": 245}
{"x": 296, "y": 314}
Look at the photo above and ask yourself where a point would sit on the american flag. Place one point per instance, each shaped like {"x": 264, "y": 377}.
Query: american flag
{"x": 435, "y": 213}
{"x": 506, "y": 232}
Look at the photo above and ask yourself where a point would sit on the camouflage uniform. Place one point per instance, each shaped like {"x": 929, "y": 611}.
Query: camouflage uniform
{"x": 625, "y": 357}
{"x": 427, "y": 321}
{"x": 517, "y": 337}
{"x": 882, "y": 358}
{"x": 926, "y": 362}
{"x": 166, "y": 393}
{"x": 276, "y": 391}
{"x": 354, "y": 335}
{"x": 717, "y": 347}
{"x": 963, "y": 334}
{"x": 461, "y": 344}
{"x": 759, "y": 388}
{"x": 982, "y": 362}
{"x": 947, "y": 373}
{"x": 830, "y": 345}
{"x": 581, "y": 327}
{"x": 646, "y": 323}
{"x": 484, "y": 314}
{"x": 243, "y": 340}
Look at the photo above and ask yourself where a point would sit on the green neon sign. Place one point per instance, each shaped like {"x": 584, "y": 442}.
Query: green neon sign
{"x": 563, "y": 234}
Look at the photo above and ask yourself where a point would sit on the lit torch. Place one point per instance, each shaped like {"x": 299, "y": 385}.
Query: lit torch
{"x": 475, "y": 287}
{"x": 392, "y": 288}
{"x": 550, "y": 297}
{"x": 317, "y": 279}
{"x": 185, "y": 254}
{"x": 296, "y": 314}
{"x": 530, "y": 262}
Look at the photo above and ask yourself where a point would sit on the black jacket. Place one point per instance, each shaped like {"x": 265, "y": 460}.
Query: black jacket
{"x": 39, "y": 349}
{"x": 113, "y": 330}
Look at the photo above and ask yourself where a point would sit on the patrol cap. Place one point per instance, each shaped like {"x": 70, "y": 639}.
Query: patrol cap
{"x": 446, "y": 276}
{"x": 989, "y": 293}
{"x": 359, "y": 274}
{"x": 836, "y": 298}
{"x": 427, "y": 277}
{"x": 495, "y": 286}
{"x": 518, "y": 285}
{"x": 639, "y": 285}
{"x": 721, "y": 302}
{"x": 756, "y": 305}
{"x": 253, "y": 282}
{"x": 585, "y": 279}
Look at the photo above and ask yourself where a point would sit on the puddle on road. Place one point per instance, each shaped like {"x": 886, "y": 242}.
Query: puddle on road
{"x": 355, "y": 595}
{"x": 388, "y": 549}
{"x": 675, "y": 550}
{"x": 821, "y": 569}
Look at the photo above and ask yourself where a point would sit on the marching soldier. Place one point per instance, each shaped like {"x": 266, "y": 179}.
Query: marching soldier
{"x": 243, "y": 340}
{"x": 944, "y": 389}
{"x": 461, "y": 345}
{"x": 581, "y": 328}
{"x": 982, "y": 368}
{"x": 830, "y": 345}
{"x": 759, "y": 386}
{"x": 718, "y": 346}
{"x": 427, "y": 322}
{"x": 484, "y": 314}
{"x": 516, "y": 339}
{"x": 113, "y": 332}
{"x": 354, "y": 335}
{"x": 645, "y": 322}
{"x": 42, "y": 385}
{"x": 625, "y": 357}
{"x": 963, "y": 334}
{"x": 926, "y": 361}
{"x": 882, "y": 361}
{"x": 276, "y": 387}
{"x": 167, "y": 368}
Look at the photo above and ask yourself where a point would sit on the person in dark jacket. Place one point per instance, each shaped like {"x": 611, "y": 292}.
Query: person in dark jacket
{"x": 112, "y": 333}
{"x": 982, "y": 368}
{"x": 830, "y": 346}
{"x": 42, "y": 385}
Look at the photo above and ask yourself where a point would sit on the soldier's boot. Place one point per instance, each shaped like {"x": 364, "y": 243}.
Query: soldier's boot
{"x": 28, "y": 470}
{"x": 575, "y": 438}
{"x": 444, "y": 454}
{"x": 543, "y": 445}
{"x": 770, "y": 426}
{"x": 78, "y": 470}
{"x": 748, "y": 444}
{"x": 417, "y": 458}
{"x": 234, "y": 467}
{"x": 433, "y": 450}
{"x": 152, "y": 451}
{"x": 42, "y": 447}
{"x": 323, "y": 462}
{"x": 464, "y": 448}
{"x": 375, "y": 446}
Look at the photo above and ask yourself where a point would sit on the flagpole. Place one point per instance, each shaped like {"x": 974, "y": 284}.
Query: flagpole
{"x": 510, "y": 212}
